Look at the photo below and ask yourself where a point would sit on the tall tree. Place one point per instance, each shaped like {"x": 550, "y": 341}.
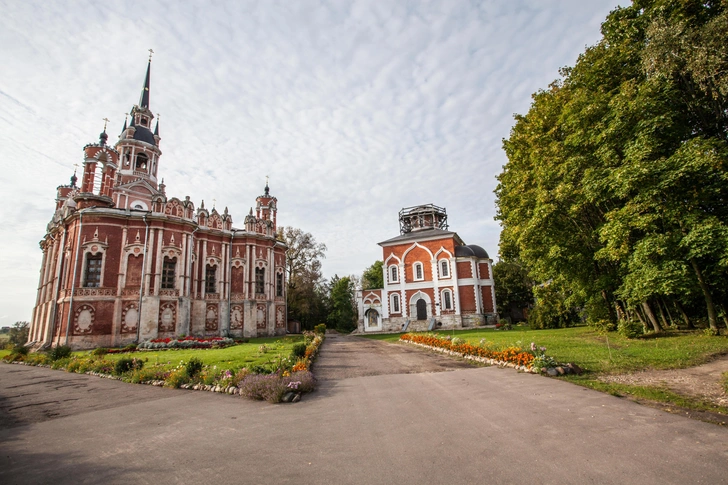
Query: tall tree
{"x": 307, "y": 295}
{"x": 19, "y": 333}
{"x": 616, "y": 183}
{"x": 513, "y": 289}
{"x": 373, "y": 277}
{"x": 342, "y": 315}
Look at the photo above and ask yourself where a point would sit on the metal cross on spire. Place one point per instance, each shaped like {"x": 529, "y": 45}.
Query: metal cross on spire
{"x": 150, "y": 54}
{"x": 213, "y": 203}
{"x": 106, "y": 120}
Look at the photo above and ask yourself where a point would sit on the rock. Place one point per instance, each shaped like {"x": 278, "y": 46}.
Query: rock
{"x": 560, "y": 370}
{"x": 552, "y": 372}
{"x": 288, "y": 396}
{"x": 575, "y": 369}
{"x": 297, "y": 397}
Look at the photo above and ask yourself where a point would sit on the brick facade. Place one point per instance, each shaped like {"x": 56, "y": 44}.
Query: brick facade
{"x": 431, "y": 279}
{"x": 124, "y": 263}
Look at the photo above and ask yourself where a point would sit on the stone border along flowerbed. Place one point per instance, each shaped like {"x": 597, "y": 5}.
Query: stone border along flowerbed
{"x": 533, "y": 361}
{"x": 285, "y": 384}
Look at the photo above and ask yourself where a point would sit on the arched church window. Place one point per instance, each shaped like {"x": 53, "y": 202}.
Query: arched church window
{"x": 92, "y": 277}
{"x": 446, "y": 300}
{"x": 168, "y": 273}
{"x": 393, "y": 274}
{"x": 395, "y": 303}
{"x": 259, "y": 281}
{"x": 210, "y": 279}
{"x": 279, "y": 284}
{"x": 419, "y": 273}
{"x": 444, "y": 269}
{"x": 141, "y": 161}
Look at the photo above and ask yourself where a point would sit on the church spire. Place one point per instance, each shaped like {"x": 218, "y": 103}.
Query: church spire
{"x": 144, "y": 98}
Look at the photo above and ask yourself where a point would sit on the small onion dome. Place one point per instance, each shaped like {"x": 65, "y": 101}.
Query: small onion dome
{"x": 469, "y": 251}
{"x": 103, "y": 137}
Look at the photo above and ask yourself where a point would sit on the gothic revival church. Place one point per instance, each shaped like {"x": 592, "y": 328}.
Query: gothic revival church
{"x": 123, "y": 263}
{"x": 432, "y": 279}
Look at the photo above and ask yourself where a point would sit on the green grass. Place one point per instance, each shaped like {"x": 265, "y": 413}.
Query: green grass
{"x": 649, "y": 393}
{"x": 588, "y": 348}
{"x": 236, "y": 356}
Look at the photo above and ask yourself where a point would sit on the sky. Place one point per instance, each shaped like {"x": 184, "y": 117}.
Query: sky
{"x": 354, "y": 109}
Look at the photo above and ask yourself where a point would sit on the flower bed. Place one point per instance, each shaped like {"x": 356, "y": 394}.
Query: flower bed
{"x": 281, "y": 380}
{"x": 185, "y": 343}
{"x": 512, "y": 356}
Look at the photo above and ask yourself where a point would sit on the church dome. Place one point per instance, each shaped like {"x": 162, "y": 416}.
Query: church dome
{"x": 144, "y": 134}
{"x": 470, "y": 251}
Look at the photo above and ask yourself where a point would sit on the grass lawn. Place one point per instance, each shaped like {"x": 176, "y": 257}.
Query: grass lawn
{"x": 233, "y": 357}
{"x": 588, "y": 349}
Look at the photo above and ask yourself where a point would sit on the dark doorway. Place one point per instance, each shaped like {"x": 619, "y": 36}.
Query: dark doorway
{"x": 421, "y": 309}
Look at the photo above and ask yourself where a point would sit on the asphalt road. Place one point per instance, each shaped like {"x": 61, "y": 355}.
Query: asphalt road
{"x": 469, "y": 425}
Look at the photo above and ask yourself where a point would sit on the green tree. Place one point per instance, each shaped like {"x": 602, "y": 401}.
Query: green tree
{"x": 19, "y": 333}
{"x": 342, "y": 314}
{"x": 307, "y": 295}
{"x": 513, "y": 288}
{"x": 616, "y": 182}
{"x": 373, "y": 277}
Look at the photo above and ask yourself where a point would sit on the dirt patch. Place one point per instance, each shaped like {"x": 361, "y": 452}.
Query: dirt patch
{"x": 703, "y": 381}
{"x": 344, "y": 357}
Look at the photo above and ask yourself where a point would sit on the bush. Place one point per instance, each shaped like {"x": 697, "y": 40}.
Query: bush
{"x": 148, "y": 374}
{"x": 59, "y": 352}
{"x": 177, "y": 377}
{"x": 126, "y": 364}
{"x": 630, "y": 328}
{"x": 101, "y": 351}
{"x": 320, "y": 328}
{"x": 20, "y": 350}
{"x": 61, "y": 363}
{"x": 193, "y": 367}
{"x": 298, "y": 350}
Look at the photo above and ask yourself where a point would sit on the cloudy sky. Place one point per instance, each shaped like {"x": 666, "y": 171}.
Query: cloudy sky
{"x": 354, "y": 109}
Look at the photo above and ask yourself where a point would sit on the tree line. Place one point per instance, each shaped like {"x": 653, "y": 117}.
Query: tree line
{"x": 311, "y": 298}
{"x": 614, "y": 196}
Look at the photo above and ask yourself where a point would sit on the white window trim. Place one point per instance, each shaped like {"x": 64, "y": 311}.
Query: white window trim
{"x": 396, "y": 273}
{"x": 414, "y": 271}
{"x": 395, "y": 297}
{"x": 442, "y": 298}
{"x": 447, "y": 265}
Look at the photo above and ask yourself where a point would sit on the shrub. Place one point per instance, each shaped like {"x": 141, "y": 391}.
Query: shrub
{"x": 61, "y": 363}
{"x": 193, "y": 367}
{"x": 177, "y": 377}
{"x": 148, "y": 374}
{"x": 130, "y": 347}
{"x": 630, "y": 328}
{"x": 59, "y": 352}
{"x": 320, "y": 328}
{"x": 100, "y": 352}
{"x": 20, "y": 350}
{"x": 126, "y": 364}
{"x": 38, "y": 358}
{"x": 261, "y": 387}
{"x": 298, "y": 350}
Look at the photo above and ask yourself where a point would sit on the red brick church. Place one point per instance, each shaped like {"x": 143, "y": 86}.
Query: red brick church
{"x": 432, "y": 279}
{"x": 122, "y": 262}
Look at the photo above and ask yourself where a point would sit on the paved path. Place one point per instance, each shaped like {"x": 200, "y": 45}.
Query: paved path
{"x": 349, "y": 356}
{"x": 474, "y": 425}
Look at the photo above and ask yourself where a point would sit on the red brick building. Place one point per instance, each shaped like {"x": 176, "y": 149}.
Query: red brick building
{"x": 432, "y": 279}
{"x": 123, "y": 263}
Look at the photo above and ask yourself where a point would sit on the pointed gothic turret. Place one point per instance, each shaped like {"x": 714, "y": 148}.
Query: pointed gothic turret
{"x": 140, "y": 153}
{"x": 266, "y": 206}
{"x": 144, "y": 98}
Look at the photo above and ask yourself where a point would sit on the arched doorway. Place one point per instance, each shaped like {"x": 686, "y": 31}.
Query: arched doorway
{"x": 372, "y": 318}
{"x": 421, "y": 309}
